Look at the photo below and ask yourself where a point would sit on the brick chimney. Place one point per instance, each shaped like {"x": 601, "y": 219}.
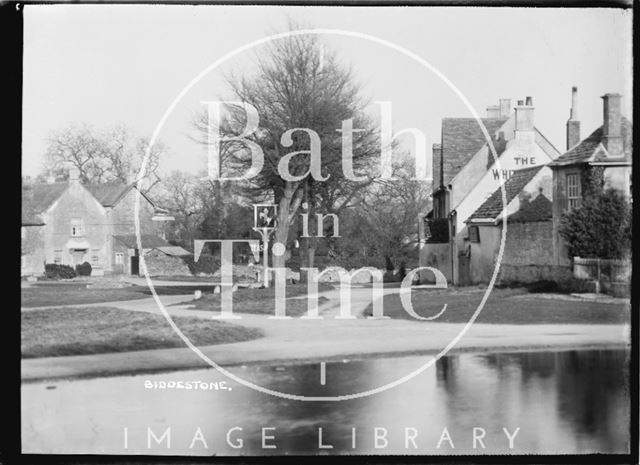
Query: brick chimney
{"x": 505, "y": 107}
{"x": 437, "y": 155}
{"x": 524, "y": 118}
{"x": 573, "y": 124}
{"x": 612, "y": 125}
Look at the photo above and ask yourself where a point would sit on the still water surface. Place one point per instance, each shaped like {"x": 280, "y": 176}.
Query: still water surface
{"x": 563, "y": 402}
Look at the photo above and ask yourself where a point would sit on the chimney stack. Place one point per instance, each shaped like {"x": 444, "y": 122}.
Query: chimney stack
{"x": 573, "y": 125}
{"x": 612, "y": 125}
{"x": 437, "y": 155}
{"x": 505, "y": 107}
{"x": 493, "y": 111}
{"x": 524, "y": 116}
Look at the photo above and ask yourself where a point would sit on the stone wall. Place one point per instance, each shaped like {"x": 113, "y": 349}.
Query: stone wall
{"x": 33, "y": 253}
{"x": 529, "y": 244}
{"x": 528, "y": 254}
{"x": 534, "y": 273}
{"x": 76, "y": 203}
{"x": 436, "y": 256}
{"x": 160, "y": 264}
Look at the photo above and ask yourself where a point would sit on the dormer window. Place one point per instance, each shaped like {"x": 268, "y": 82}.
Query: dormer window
{"x": 77, "y": 227}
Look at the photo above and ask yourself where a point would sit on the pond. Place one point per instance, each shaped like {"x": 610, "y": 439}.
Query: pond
{"x": 562, "y": 402}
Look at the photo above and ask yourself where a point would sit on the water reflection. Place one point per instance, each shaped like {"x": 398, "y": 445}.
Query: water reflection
{"x": 562, "y": 402}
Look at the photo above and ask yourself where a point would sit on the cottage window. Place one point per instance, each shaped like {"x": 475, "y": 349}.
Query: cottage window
{"x": 77, "y": 227}
{"x": 574, "y": 196}
{"x": 119, "y": 258}
{"x": 95, "y": 257}
{"x": 474, "y": 234}
{"x": 57, "y": 257}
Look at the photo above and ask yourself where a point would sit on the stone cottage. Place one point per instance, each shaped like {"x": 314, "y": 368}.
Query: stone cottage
{"x": 527, "y": 255}
{"x": 71, "y": 223}
{"x": 606, "y": 153}
{"x": 466, "y": 174}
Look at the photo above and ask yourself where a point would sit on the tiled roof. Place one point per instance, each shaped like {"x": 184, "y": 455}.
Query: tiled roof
{"x": 492, "y": 207}
{"x": 36, "y": 198}
{"x": 108, "y": 193}
{"x": 539, "y": 209}
{"x": 173, "y": 251}
{"x": 461, "y": 139}
{"x": 149, "y": 241}
{"x": 583, "y": 151}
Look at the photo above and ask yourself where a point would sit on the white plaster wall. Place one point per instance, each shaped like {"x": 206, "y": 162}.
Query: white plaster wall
{"x": 511, "y": 160}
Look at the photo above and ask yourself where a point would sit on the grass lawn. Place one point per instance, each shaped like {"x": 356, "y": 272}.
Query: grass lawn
{"x": 185, "y": 279}
{"x": 39, "y": 295}
{"x": 81, "y": 331}
{"x": 261, "y": 301}
{"x": 504, "y": 306}
{"x": 70, "y": 293}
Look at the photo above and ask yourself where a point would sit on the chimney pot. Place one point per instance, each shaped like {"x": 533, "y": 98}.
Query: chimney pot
{"x": 612, "y": 125}
{"x": 573, "y": 125}
{"x": 493, "y": 111}
{"x": 505, "y": 107}
{"x": 524, "y": 116}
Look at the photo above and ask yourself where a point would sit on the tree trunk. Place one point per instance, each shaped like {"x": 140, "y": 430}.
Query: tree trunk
{"x": 282, "y": 231}
{"x": 311, "y": 253}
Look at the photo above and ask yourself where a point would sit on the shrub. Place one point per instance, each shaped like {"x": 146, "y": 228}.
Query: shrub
{"x": 84, "y": 269}
{"x": 599, "y": 228}
{"x": 207, "y": 264}
{"x": 56, "y": 271}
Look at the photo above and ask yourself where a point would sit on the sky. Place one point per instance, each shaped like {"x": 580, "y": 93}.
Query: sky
{"x": 104, "y": 65}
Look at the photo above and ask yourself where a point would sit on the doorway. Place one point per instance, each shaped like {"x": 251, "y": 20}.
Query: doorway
{"x": 77, "y": 256}
{"x": 135, "y": 263}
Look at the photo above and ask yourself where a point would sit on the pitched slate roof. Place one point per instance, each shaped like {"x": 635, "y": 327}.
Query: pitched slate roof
{"x": 539, "y": 209}
{"x": 461, "y": 139}
{"x": 108, "y": 193}
{"x": 492, "y": 207}
{"x": 585, "y": 149}
{"x": 173, "y": 251}
{"x": 36, "y": 198}
{"x": 149, "y": 241}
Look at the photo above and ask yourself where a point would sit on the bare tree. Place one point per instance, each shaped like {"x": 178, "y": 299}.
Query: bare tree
{"x": 300, "y": 85}
{"x": 384, "y": 228}
{"x": 101, "y": 156}
{"x": 201, "y": 209}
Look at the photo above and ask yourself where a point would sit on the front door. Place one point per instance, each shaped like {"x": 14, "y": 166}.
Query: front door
{"x": 135, "y": 264}
{"x": 78, "y": 256}
{"x": 464, "y": 271}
